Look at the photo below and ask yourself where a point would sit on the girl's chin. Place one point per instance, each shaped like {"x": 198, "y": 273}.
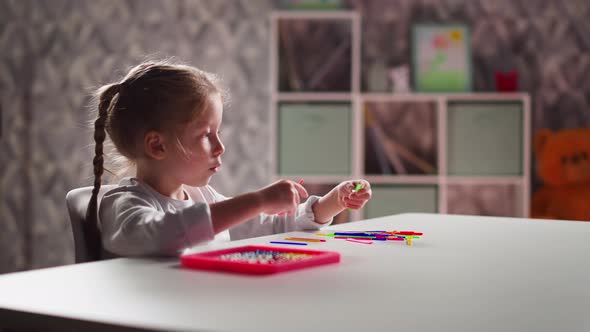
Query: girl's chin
{"x": 202, "y": 182}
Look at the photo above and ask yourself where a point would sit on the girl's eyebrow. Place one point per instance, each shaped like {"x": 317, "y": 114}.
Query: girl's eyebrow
{"x": 199, "y": 124}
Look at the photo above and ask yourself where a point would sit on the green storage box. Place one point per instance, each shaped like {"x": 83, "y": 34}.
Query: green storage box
{"x": 314, "y": 139}
{"x": 485, "y": 139}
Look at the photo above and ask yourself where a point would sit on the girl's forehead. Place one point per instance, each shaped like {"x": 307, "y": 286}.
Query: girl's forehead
{"x": 211, "y": 114}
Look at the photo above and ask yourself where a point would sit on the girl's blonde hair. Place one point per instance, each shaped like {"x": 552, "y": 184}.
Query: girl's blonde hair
{"x": 156, "y": 96}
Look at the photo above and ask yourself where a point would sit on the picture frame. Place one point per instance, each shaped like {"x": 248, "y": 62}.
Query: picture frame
{"x": 441, "y": 58}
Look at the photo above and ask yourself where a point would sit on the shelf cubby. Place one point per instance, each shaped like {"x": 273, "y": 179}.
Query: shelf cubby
{"x": 400, "y": 138}
{"x": 307, "y": 131}
{"x": 464, "y": 153}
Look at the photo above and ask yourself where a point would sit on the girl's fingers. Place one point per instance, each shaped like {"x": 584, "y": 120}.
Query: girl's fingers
{"x": 350, "y": 186}
{"x": 365, "y": 195}
{"x": 354, "y": 206}
{"x": 345, "y": 191}
{"x": 364, "y": 186}
{"x": 353, "y": 201}
{"x": 301, "y": 190}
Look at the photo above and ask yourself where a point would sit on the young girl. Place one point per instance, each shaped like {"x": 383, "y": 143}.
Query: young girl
{"x": 165, "y": 119}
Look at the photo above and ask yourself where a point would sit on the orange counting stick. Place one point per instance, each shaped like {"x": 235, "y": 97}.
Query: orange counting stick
{"x": 303, "y": 239}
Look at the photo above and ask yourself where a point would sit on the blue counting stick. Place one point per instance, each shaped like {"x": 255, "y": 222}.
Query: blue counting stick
{"x": 293, "y": 243}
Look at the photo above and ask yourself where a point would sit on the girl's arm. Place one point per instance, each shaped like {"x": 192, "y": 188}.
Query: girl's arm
{"x": 232, "y": 211}
{"x": 280, "y": 196}
{"x": 133, "y": 223}
{"x": 341, "y": 197}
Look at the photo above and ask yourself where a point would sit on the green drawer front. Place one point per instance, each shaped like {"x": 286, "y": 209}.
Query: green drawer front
{"x": 485, "y": 138}
{"x": 314, "y": 139}
{"x": 394, "y": 199}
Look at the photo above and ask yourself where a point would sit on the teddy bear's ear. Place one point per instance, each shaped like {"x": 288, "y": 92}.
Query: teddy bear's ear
{"x": 541, "y": 138}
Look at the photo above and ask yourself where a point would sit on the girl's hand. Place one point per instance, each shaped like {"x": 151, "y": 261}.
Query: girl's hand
{"x": 349, "y": 197}
{"x": 282, "y": 196}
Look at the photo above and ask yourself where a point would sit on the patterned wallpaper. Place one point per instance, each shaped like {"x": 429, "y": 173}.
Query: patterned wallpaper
{"x": 52, "y": 53}
{"x": 547, "y": 41}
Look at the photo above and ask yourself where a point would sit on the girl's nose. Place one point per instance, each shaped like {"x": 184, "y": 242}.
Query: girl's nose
{"x": 219, "y": 148}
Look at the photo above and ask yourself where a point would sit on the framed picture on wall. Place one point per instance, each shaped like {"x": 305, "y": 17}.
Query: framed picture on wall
{"x": 441, "y": 58}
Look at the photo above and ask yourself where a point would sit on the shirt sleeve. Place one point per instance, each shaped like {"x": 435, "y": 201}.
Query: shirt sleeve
{"x": 132, "y": 225}
{"x": 265, "y": 224}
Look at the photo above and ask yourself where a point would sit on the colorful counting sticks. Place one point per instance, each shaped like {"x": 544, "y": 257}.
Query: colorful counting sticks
{"x": 366, "y": 237}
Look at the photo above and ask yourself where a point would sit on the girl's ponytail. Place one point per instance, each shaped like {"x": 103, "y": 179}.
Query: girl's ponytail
{"x": 107, "y": 102}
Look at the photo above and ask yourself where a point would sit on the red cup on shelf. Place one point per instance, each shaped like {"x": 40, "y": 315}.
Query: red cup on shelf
{"x": 506, "y": 81}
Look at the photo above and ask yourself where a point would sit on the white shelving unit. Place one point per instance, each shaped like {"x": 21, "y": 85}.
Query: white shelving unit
{"x": 443, "y": 179}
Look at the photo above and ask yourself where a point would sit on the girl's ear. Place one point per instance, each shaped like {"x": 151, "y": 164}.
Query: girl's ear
{"x": 154, "y": 145}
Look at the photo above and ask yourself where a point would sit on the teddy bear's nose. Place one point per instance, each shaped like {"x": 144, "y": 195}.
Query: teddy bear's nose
{"x": 575, "y": 159}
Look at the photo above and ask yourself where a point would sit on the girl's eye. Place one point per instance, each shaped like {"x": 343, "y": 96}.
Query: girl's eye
{"x": 210, "y": 134}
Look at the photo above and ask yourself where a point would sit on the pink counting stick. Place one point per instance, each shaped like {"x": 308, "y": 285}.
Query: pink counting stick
{"x": 359, "y": 241}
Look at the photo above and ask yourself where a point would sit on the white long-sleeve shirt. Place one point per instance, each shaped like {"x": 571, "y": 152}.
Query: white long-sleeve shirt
{"x": 136, "y": 220}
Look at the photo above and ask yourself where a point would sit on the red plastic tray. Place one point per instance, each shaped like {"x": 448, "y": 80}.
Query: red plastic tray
{"x": 280, "y": 259}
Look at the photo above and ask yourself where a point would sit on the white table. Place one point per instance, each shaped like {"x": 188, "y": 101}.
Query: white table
{"x": 466, "y": 274}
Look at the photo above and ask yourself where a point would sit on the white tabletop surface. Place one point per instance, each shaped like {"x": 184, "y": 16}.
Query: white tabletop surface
{"x": 465, "y": 274}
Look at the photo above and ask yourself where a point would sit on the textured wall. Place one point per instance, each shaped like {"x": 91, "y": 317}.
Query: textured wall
{"x": 52, "y": 52}
{"x": 547, "y": 41}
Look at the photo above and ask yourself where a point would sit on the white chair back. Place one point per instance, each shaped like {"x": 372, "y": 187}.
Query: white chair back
{"x": 77, "y": 204}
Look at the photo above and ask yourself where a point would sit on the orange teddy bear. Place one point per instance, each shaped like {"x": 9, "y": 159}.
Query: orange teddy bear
{"x": 563, "y": 160}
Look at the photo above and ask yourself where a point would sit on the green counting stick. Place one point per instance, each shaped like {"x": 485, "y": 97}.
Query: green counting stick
{"x": 357, "y": 188}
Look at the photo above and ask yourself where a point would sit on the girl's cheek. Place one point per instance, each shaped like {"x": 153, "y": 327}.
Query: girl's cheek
{"x": 199, "y": 152}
